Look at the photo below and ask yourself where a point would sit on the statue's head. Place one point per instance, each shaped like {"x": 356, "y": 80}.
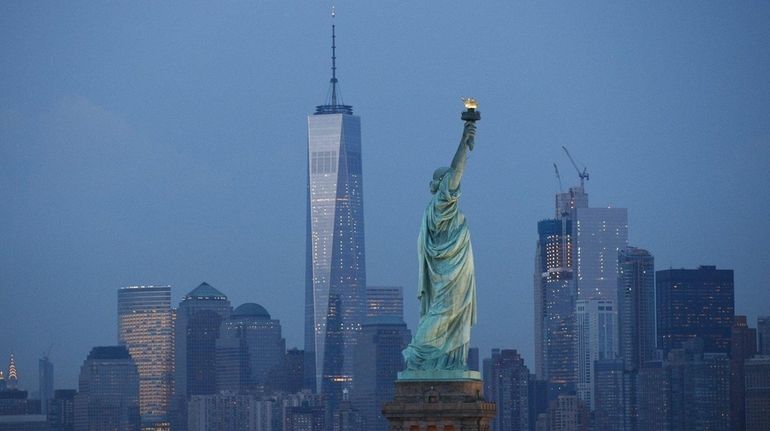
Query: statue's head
{"x": 438, "y": 175}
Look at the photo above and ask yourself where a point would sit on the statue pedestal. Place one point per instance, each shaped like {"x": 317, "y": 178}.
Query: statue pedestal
{"x": 439, "y": 405}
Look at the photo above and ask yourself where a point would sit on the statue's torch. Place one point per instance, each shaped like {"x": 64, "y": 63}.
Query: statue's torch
{"x": 470, "y": 114}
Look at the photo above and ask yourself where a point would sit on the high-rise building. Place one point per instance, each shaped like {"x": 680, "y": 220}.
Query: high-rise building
{"x": 743, "y": 345}
{"x": 555, "y": 295}
{"x": 250, "y": 350}
{"x": 223, "y": 411}
{"x": 378, "y": 361}
{"x": 3, "y": 382}
{"x": 653, "y": 398}
{"x": 757, "y": 373}
{"x": 599, "y": 235}
{"x": 613, "y": 386}
{"x": 335, "y": 271}
{"x": 473, "y": 359}
{"x": 695, "y": 303}
{"x": 108, "y": 391}
{"x": 636, "y": 307}
{"x": 45, "y": 383}
{"x": 567, "y": 413}
{"x": 146, "y": 328}
{"x": 506, "y": 383}
{"x": 196, "y": 329}
{"x": 384, "y": 301}
{"x": 61, "y": 412}
{"x": 597, "y": 340}
{"x": 294, "y": 371}
{"x": 763, "y": 335}
{"x": 13, "y": 378}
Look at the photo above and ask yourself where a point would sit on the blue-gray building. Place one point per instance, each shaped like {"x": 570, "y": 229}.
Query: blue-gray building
{"x": 108, "y": 391}
{"x": 335, "y": 266}
{"x": 695, "y": 303}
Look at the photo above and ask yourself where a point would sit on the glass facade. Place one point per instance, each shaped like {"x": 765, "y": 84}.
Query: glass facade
{"x": 108, "y": 391}
{"x": 146, "y": 328}
{"x": 596, "y": 340}
{"x": 506, "y": 383}
{"x": 335, "y": 268}
{"x": 695, "y": 303}
{"x": 600, "y": 233}
{"x": 384, "y": 301}
{"x": 636, "y": 307}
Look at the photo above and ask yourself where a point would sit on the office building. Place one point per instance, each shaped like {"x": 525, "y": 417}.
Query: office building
{"x": 146, "y": 328}
{"x": 763, "y": 335}
{"x": 335, "y": 264}
{"x": 61, "y": 411}
{"x": 555, "y": 295}
{"x": 14, "y": 402}
{"x": 695, "y": 303}
{"x": 757, "y": 374}
{"x": 653, "y": 397}
{"x": 24, "y": 423}
{"x": 743, "y": 345}
{"x": 45, "y": 383}
{"x": 613, "y": 386}
{"x": 294, "y": 371}
{"x": 12, "y": 382}
{"x": 506, "y": 383}
{"x": 108, "y": 391}
{"x": 250, "y": 350}
{"x": 567, "y": 413}
{"x": 600, "y": 234}
{"x": 596, "y": 340}
{"x": 196, "y": 330}
{"x": 378, "y": 361}
{"x": 384, "y": 301}
{"x": 473, "y": 359}
{"x": 636, "y": 307}
{"x": 223, "y": 411}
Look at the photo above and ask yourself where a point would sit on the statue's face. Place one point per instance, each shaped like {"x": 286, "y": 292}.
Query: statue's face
{"x": 438, "y": 175}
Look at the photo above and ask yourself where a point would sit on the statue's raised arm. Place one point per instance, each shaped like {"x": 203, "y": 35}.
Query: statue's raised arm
{"x": 458, "y": 162}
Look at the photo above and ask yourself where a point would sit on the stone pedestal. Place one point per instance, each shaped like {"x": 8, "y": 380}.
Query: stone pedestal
{"x": 439, "y": 405}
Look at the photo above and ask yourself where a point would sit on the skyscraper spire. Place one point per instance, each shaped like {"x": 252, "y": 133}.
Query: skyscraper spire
{"x": 334, "y": 104}
{"x": 12, "y": 377}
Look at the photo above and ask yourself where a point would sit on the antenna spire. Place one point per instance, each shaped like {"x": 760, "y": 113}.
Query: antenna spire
{"x": 334, "y": 60}
{"x": 334, "y": 103}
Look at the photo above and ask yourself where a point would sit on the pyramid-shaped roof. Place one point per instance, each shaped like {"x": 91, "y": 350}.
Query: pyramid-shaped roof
{"x": 205, "y": 291}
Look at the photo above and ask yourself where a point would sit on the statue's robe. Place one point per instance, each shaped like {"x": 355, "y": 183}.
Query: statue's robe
{"x": 447, "y": 286}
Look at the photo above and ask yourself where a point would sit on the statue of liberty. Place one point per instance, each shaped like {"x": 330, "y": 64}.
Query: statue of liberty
{"x": 447, "y": 284}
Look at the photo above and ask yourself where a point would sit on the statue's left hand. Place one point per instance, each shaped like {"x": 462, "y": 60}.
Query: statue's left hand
{"x": 469, "y": 134}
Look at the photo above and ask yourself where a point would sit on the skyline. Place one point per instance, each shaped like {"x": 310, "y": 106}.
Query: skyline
{"x": 669, "y": 122}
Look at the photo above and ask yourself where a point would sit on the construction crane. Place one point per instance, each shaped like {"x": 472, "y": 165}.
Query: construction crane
{"x": 583, "y": 175}
{"x": 558, "y": 177}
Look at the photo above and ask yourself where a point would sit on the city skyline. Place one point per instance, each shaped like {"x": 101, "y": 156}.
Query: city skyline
{"x": 109, "y": 182}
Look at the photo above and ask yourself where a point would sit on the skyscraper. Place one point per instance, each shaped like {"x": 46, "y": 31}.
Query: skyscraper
{"x": 378, "y": 361}
{"x": 61, "y": 415}
{"x": 335, "y": 263}
{"x": 146, "y": 328}
{"x": 636, "y": 307}
{"x": 743, "y": 345}
{"x": 45, "y": 383}
{"x": 695, "y": 303}
{"x": 384, "y": 301}
{"x": 611, "y": 388}
{"x": 506, "y": 383}
{"x": 196, "y": 330}
{"x": 596, "y": 340}
{"x": 250, "y": 350}
{"x": 13, "y": 378}
{"x": 757, "y": 393}
{"x": 600, "y": 234}
{"x": 108, "y": 391}
{"x": 763, "y": 335}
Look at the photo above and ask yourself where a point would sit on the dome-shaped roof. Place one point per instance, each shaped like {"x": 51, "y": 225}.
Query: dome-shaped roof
{"x": 251, "y": 309}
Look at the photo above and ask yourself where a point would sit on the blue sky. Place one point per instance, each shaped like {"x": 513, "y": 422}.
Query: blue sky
{"x": 164, "y": 143}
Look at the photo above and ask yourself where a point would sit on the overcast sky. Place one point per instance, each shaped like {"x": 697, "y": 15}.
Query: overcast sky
{"x": 165, "y": 142}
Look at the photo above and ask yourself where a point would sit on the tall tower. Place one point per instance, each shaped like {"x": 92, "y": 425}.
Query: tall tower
{"x": 13, "y": 378}
{"x": 146, "y": 328}
{"x": 45, "y": 383}
{"x": 636, "y": 307}
{"x": 335, "y": 263}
